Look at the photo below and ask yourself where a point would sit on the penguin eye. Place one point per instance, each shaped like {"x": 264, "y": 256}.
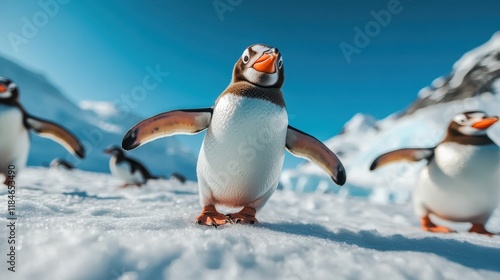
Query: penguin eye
{"x": 245, "y": 57}
{"x": 460, "y": 119}
{"x": 280, "y": 63}
{"x": 12, "y": 87}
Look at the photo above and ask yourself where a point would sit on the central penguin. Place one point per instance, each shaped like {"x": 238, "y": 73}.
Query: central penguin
{"x": 242, "y": 154}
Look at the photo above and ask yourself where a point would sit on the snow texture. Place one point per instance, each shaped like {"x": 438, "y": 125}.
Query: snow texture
{"x": 79, "y": 225}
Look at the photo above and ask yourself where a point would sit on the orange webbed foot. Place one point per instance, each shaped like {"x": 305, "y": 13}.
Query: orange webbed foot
{"x": 245, "y": 216}
{"x": 478, "y": 228}
{"x": 210, "y": 217}
{"x": 428, "y": 225}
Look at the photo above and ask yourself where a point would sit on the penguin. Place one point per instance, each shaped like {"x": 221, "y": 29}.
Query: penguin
{"x": 242, "y": 153}
{"x": 178, "y": 176}
{"x": 15, "y": 124}
{"x": 58, "y": 163}
{"x": 129, "y": 170}
{"x": 461, "y": 181}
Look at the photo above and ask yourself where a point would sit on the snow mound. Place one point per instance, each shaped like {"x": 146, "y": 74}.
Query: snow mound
{"x": 79, "y": 225}
{"x": 104, "y": 109}
{"x": 360, "y": 122}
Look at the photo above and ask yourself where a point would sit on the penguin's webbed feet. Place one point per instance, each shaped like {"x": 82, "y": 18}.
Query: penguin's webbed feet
{"x": 479, "y": 228}
{"x": 245, "y": 216}
{"x": 428, "y": 225}
{"x": 210, "y": 217}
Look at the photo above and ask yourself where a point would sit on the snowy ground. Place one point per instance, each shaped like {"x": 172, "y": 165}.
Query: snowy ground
{"x": 79, "y": 225}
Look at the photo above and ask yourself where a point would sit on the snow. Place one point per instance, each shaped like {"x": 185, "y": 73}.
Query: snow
{"x": 79, "y": 225}
{"x": 485, "y": 54}
{"x": 104, "y": 109}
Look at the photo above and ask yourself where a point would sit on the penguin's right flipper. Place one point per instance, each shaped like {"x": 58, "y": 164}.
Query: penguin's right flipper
{"x": 411, "y": 154}
{"x": 167, "y": 124}
{"x": 57, "y": 133}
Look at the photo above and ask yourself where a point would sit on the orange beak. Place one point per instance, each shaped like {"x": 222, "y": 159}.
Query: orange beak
{"x": 485, "y": 123}
{"x": 265, "y": 63}
{"x": 2, "y": 89}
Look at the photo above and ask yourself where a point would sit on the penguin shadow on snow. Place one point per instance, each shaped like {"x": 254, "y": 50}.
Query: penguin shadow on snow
{"x": 460, "y": 252}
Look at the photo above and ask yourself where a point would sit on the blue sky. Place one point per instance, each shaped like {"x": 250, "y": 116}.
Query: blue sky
{"x": 99, "y": 50}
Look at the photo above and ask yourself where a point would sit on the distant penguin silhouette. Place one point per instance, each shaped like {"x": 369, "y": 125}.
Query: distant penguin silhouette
{"x": 61, "y": 164}
{"x": 15, "y": 124}
{"x": 461, "y": 181}
{"x": 176, "y": 175}
{"x": 127, "y": 169}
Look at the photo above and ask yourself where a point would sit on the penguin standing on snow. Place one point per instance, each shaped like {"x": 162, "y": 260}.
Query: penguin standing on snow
{"x": 127, "y": 169}
{"x": 242, "y": 154}
{"x": 461, "y": 181}
{"x": 15, "y": 124}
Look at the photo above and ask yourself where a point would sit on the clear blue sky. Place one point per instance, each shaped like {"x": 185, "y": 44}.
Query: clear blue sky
{"x": 98, "y": 50}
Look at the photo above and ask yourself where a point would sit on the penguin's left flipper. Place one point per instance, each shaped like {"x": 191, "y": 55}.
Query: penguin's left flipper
{"x": 57, "y": 133}
{"x": 410, "y": 154}
{"x": 303, "y": 145}
{"x": 189, "y": 121}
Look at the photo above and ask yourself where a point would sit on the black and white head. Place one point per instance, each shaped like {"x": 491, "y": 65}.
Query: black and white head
{"x": 8, "y": 90}
{"x": 114, "y": 151}
{"x": 260, "y": 65}
{"x": 473, "y": 123}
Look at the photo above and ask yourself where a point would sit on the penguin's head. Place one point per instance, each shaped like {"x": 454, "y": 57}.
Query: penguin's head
{"x": 114, "y": 151}
{"x": 473, "y": 123}
{"x": 8, "y": 90}
{"x": 260, "y": 65}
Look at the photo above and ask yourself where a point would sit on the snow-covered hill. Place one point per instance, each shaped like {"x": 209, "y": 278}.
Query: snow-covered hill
{"x": 473, "y": 84}
{"x": 474, "y": 74}
{"x": 97, "y": 124}
{"x": 79, "y": 225}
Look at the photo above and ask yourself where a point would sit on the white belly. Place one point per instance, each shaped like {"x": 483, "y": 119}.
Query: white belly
{"x": 242, "y": 154}
{"x": 461, "y": 183}
{"x": 14, "y": 138}
{"x": 122, "y": 170}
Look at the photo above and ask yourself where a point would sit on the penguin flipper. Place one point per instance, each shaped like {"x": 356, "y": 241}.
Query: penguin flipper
{"x": 306, "y": 146}
{"x": 57, "y": 133}
{"x": 409, "y": 154}
{"x": 167, "y": 124}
